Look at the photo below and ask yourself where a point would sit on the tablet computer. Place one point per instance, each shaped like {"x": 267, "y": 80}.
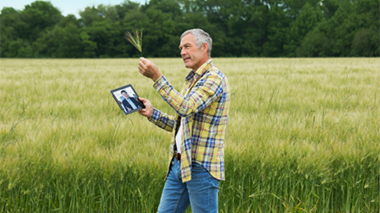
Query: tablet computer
{"x": 127, "y": 99}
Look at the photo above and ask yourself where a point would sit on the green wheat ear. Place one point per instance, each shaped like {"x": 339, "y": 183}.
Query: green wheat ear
{"x": 135, "y": 38}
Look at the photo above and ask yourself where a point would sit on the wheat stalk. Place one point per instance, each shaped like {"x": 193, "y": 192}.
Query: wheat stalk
{"x": 135, "y": 38}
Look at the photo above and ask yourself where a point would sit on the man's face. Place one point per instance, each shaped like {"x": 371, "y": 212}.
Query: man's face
{"x": 125, "y": 95}
{"x": 191, "y": 55}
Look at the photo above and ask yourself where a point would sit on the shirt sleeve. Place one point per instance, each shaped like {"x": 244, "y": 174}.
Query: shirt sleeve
{"x": 208, "y": 89}
{"x": 162, "y": 120}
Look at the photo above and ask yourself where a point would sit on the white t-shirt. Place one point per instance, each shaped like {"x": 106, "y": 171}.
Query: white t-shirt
{"x": 178, "y": 138}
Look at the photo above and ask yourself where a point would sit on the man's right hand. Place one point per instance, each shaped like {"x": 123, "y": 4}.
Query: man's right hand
{"x": 147, "y": 112}
{"x": 149, "y": 69}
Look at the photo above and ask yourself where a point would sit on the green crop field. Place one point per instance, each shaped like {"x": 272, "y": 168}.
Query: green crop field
{"x": 303, "y": 136}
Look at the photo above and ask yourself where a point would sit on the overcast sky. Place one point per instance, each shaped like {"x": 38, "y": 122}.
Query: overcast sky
{"x": 65, "y": 6}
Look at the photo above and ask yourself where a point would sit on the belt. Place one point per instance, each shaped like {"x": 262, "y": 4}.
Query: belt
{"x": 177, "y": 156}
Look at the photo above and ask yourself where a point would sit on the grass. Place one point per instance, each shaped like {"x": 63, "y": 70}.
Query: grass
{"x": 303, "y": 136}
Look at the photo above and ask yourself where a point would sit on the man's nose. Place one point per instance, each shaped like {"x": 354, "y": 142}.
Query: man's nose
{"x": 183, "y": 52}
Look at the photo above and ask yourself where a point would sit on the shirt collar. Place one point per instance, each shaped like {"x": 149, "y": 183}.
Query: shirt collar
{"x": 200, "y": 70}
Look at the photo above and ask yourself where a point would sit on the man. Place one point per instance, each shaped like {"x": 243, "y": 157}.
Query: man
{"x": 198, "y": 128}
{"x": 127, "y": 102}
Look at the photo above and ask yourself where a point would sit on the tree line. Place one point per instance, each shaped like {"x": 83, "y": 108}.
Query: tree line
{"x": 239, "y": 28}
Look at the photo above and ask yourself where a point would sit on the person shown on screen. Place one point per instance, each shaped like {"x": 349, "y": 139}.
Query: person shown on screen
{"x": 129, "y": 103}
{"x": 198, "y": 127}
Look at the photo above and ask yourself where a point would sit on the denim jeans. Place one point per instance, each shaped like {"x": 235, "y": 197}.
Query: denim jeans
{"x": 201, "y": 191}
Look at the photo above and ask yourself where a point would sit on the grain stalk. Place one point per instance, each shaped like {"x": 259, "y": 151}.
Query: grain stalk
{"x": 135, "y": 38}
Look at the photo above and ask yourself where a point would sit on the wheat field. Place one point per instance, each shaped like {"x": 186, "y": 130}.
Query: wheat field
{"x": 303, "y": 136}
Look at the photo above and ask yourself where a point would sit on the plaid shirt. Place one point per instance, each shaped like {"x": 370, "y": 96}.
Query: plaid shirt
{"x": 204, "y": 114}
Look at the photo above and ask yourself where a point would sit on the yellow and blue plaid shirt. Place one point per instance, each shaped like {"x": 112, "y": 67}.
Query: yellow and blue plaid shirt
{"x": 204, "y": 114}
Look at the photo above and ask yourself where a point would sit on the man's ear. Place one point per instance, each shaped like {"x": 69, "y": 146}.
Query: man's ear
{"x": 204, "y": 47}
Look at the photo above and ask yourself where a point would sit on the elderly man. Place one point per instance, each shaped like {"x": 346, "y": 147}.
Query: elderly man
{"x": 198, "y": 128}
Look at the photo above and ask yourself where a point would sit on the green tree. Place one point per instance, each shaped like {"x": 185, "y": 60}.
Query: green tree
{"x": 89, "y": 47}
{"x": 315, "y": 44}
{"x": 329, "y": 8}
{"x": 125, "y": 8}
{"x": 90, "y": 15}
{"x": 306, "y": 21}
{"x": 366, "y": 43}
{"x": 334, "y": 30}
{"x": 13, "y": 48}
{"x": 266, "y": 28}
{"x": 366, "y": 39}
{"x": 278, "y": 24}
{"x": 65, "y": 40}
{"x": 157, "y": 18}
{"x": 38, "y": 16}
{"x": 69, "y": 19}
{"x": 11, "y": 25}
{"x": 107, "y": 35}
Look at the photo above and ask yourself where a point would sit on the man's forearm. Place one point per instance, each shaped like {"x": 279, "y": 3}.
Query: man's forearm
{"x": 162, "y": 120}
{"x": 204, "y": 93}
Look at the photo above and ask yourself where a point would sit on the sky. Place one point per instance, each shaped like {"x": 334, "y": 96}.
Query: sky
{"x": 65, "y": 6}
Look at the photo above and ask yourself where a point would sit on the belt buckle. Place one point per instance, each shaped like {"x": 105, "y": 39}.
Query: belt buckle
{"x": 177, "y": 156}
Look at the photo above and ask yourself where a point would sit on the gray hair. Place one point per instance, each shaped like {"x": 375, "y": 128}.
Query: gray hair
{"x": 200, "y": 37}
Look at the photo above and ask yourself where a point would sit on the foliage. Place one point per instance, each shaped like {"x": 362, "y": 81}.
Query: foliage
{"x": 281, "y": 28}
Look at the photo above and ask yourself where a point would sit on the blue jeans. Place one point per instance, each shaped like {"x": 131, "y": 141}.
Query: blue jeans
{"x": 201, "y": 191}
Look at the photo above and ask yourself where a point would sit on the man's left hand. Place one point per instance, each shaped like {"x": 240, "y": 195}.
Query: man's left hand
{"x": 149, "y": 69}
{"x": 148, "y": 110}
